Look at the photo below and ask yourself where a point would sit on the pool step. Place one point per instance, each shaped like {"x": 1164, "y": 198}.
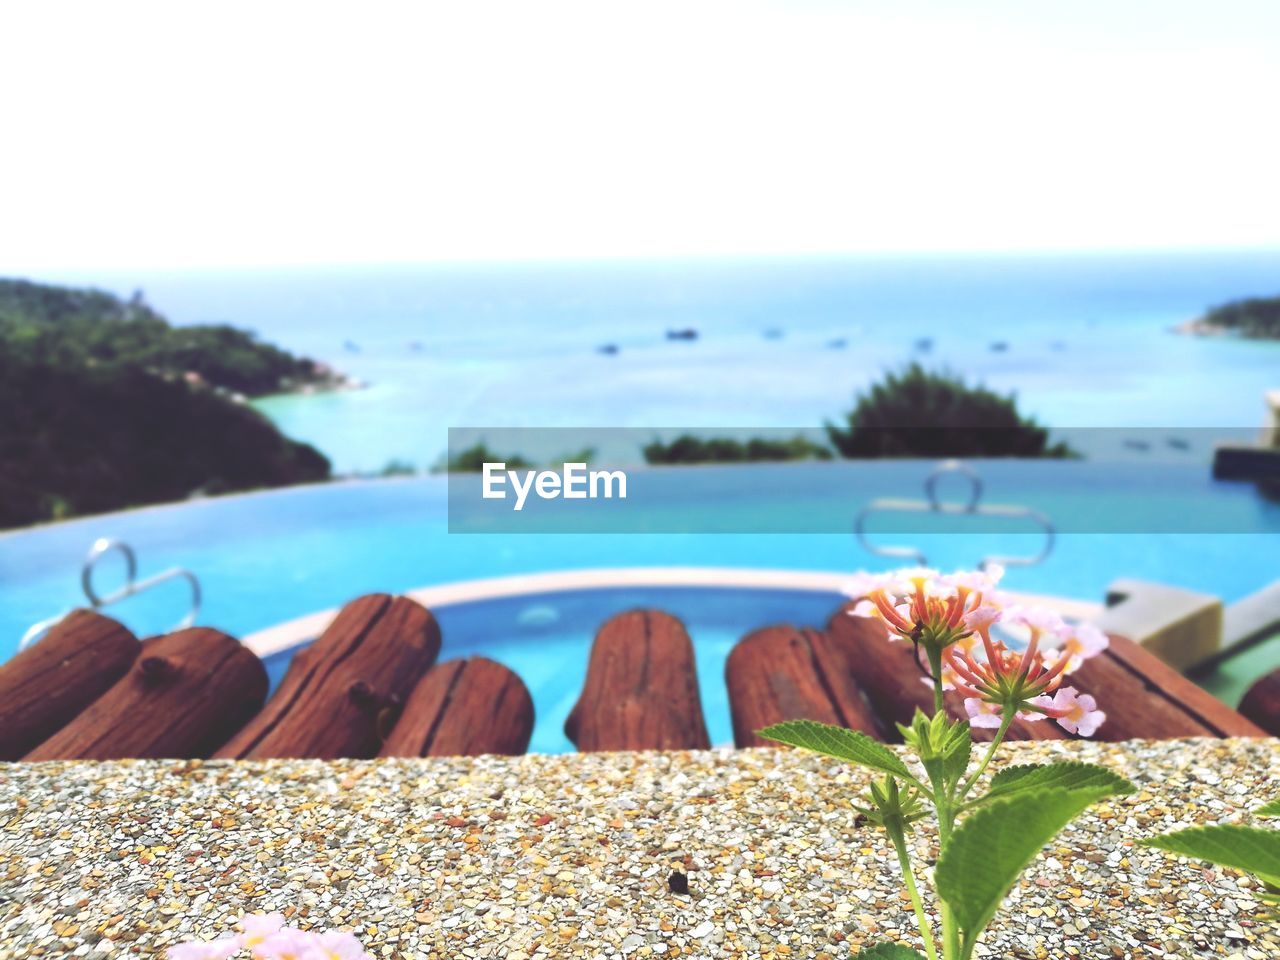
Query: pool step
{"x": 1254, "y": 618}
{"x": 1181, "y": 627}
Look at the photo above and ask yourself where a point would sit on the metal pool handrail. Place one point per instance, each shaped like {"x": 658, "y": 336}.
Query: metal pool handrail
{"x": 972, "y": 506}
{"x": 132, "y": 587}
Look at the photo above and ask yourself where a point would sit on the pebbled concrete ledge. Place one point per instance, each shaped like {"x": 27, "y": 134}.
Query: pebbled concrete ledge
{"x": 569, "y": 856}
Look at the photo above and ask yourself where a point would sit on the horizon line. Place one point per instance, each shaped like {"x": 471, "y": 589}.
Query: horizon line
{"x": 652, "y": 258}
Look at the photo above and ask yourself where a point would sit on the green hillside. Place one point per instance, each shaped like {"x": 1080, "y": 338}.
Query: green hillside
{"x": 104, "y": 405}
{"x": 66, "y": 327}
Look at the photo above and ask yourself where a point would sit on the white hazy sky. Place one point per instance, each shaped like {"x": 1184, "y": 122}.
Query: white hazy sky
{"x": 173, "y": 135}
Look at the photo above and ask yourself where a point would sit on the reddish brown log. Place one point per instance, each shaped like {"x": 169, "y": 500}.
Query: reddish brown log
{"x": 463, "y": 708}
{"x": 641, "y": 691}
{"x": 183, "y": 697}
{"x": 1144, "y": 698}
{"x": 895, "y": 683}
{"x": 786, "y": 673}
{"x": 44, "y": 687}
{"x": 342, "y": 694}
{"x": 1261, "y": 704}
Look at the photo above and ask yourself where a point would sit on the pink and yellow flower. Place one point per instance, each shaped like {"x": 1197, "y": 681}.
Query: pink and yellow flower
{"x": 1021, "y": 683}
{"x": 921, "y": 606}
{"x": 952, "y": 617}
{"x": 265, "y": 937}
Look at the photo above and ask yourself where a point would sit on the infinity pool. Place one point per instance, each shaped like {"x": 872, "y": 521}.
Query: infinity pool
{"x": 270, "y": 557}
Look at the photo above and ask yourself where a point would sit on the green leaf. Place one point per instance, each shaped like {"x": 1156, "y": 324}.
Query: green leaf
{"x": 1272, "y": 809}
{"x": 888, "y": 951}
{"x": 1252, "y": 849}
{"x": 851, "y": 745}
{"x": 1069, "y": 775}
{"x": 984, "y": 856}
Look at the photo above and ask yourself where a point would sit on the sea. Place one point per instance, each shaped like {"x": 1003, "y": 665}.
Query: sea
{"x": 1082, "y": 340}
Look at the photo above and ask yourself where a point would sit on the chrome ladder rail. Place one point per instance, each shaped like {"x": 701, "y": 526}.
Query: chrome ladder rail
{"x": 132, "y": 587}
{"x": 972, "y": 506}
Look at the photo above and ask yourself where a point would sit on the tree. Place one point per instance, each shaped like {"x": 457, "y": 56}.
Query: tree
{"x": 920, "y": 413}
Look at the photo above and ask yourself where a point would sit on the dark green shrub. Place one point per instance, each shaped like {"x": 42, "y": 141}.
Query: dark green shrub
{"x": 920, "y": 413}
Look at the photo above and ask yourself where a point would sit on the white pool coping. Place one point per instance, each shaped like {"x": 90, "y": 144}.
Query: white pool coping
{"x": 289, "y": 634}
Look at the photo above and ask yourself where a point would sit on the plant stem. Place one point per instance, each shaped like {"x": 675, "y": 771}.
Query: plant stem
{"x": 1005, "y": 721}
{"x": 950, "y": 936}
{"x": 950, "y": 933}
{"x": 935, "y": 668}
{"x": 904, "y": 860}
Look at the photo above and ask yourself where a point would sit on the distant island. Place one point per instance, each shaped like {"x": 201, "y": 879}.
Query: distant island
{"x": 107, "y": 405}
{"x": 1257, "y": 318}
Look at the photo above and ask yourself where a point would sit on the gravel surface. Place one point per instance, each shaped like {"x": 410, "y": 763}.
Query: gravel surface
{"x": 571, "y": 856}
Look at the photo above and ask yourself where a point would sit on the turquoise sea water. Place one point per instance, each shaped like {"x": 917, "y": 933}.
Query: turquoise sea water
{"x": 1084, "y": 340}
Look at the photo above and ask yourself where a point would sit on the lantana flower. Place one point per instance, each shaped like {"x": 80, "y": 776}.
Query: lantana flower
{"x": 1022, "y": 682}
{"x": 266, "y": 937}
{"x": 951, "y": 618}
{"x": 922, "y": 606}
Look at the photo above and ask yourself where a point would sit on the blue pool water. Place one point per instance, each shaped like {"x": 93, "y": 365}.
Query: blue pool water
{"x": 269, "y": 557}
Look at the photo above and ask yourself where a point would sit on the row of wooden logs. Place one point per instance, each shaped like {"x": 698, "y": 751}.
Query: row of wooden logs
{"x": 370, "y": 686}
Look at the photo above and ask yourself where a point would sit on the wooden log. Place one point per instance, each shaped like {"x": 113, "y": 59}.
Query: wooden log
{"x": 1261, "y": 704}
{"x": 788, "y": 673}
{"x": 464, "y": 708}
{"x": 45, "y": 686}
{"x": 183, "y": 697}
{"x": 895, "y": 682}
{"x": 341, "y": 696}
{"x": 641, "y": 691}
{"x": 1144, "y": 698}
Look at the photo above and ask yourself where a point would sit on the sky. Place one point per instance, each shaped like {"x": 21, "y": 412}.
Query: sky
{"x": 175, "y": 136}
